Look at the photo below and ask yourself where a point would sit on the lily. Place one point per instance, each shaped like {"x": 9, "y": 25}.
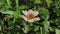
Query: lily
{"x": 30, "y": 15}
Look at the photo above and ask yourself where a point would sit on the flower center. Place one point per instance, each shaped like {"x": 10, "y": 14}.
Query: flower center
{"x": 30, "y": 16}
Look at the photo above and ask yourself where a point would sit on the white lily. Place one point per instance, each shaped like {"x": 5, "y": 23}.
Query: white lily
{"x": 30, "y": 16}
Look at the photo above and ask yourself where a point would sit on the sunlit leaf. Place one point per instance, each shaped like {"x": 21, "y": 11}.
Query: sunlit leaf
{"x": 0, "y": 27}
{"x": 36, "y": 28}
{"x": 57, "y": 31}
{"x": 8, "y": 2}
{"x": 46, "y": 24}
{"x": 48, "y": 2}
{"x": 37, "y": 1}
{"x": 8, "y": 12}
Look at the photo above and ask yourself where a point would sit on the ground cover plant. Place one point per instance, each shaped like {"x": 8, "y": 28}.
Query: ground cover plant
{"x": 29, "y": 16}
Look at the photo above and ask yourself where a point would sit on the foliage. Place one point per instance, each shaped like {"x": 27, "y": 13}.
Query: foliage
{"x": 11, "y": 21}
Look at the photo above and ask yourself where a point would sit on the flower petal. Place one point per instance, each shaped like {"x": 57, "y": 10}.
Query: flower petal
{"x": 37, "y": 19}
{"x": 31, "y": 11}
{"x": 24, "y": 12}
{"x": 24, "y": 17}
{"x": 31, "y": 20}
{"x": 36, "y": 13}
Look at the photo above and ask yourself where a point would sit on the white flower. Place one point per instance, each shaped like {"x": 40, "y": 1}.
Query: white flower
{"x": 30, "y": 16}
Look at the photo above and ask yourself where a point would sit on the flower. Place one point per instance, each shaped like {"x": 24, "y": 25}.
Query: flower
{"x": 30, "y": 16}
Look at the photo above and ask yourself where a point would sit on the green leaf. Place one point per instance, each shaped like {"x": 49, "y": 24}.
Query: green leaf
{"x": 46, "y": 24}
{"x": 1, "y": 25}
{"x": 8, "y": 12}
{"x": 17, "y": 3}
{"x": 48, "y": 2}
{"x": 57, "y": 31}
{"x": 18, "y": 33}
{"x": 36, "y": 28}
{"x": 17, "y": 14}
{"x": 44, "y": 13}
{"x": 23, "y": 7}
{"x": 41, "y": 29}
{"x": 2, "y": 2}
{"x": 10, "y": 23}
{"x": 57, "y": 21}
{"x": 9, "y": 3}
{"x": 0, "y": 28}
{"x": 57, "y": 3}
{"x": 37, "y": 1}
{"x": 58, "y": 12}
{"x": 26, "y": 28}
{"x": 9, "y": 33}
{"x": 52, "y": 29}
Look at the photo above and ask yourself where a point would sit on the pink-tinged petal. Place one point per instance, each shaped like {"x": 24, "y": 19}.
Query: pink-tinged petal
{"x": 37, "y": 19}
{"x": 24, "y": 18}
{"x": 36, "y": 13}
{"x": 31, "y": 11}
{"x": 31, "y": 20}
{"x": 24, "y": 12}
